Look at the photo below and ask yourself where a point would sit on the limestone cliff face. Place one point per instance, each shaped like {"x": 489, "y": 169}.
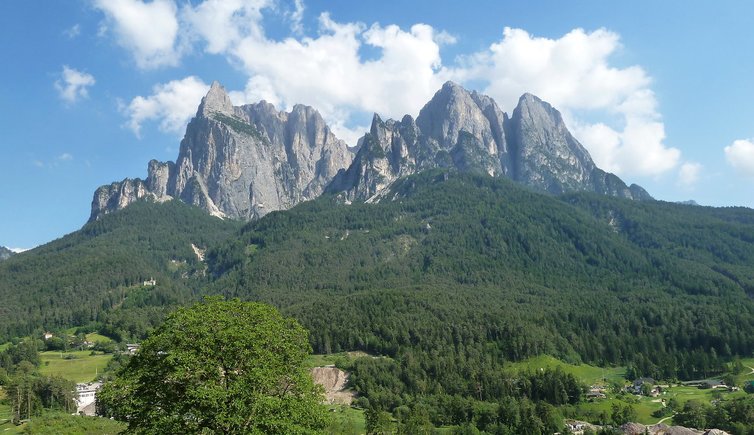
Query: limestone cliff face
{"x": 243, "y": 162}
{"x": 239, "y": 162}
{"x": 468, "y": 131}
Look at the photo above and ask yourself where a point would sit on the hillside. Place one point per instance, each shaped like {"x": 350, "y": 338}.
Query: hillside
{"x": 5, "y": 253}
{"x": 100, "y": 269}
{"x": 453, "y": 274}
{"x": 450, "y": 276}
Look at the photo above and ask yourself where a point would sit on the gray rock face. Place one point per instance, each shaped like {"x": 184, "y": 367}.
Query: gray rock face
{"x": 5, "y": 253}
{"x": 239, "y": 162}
{"x": 468, "y": 131}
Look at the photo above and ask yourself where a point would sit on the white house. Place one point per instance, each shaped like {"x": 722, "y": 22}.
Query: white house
{"x": 87, "y": 395}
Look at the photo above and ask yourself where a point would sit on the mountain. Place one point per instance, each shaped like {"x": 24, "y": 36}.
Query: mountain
{"x": 239, "y": 162}
{"x": 457, "y": 273}
{"x": 243, "y": 162}
{"x": 98, "y": 271}
{"x": 5, "y": 253}
{"x": 468, "y": 131}
{"x": 451, "y": 279}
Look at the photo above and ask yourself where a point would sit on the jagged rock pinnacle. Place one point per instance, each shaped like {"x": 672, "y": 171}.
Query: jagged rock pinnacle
{"x": 239, "y": 162}
{"x": 216, "y": 101}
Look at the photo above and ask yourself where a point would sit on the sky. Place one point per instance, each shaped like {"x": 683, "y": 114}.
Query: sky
{"x": 660, "y": 93}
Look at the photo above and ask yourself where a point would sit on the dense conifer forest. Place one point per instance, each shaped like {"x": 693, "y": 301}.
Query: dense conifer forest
{"x": 447, "y": 277}
{"x": 100, "y": 269}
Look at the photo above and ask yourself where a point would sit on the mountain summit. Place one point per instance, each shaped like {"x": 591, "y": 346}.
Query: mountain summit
{"x": 239, "y": 162}
{"x": 467, "y": 131}
{"x": 243, "y": 162}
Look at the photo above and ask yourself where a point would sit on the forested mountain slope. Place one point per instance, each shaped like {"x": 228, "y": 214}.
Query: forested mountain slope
{"x": 452, "y": 274}
{"x": 5, "y": 253}
{"x": 80, "y": 277}
{"x": 448, "y": 274}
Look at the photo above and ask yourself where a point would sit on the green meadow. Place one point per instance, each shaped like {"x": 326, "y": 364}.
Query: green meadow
{"x": 78, "y": 366}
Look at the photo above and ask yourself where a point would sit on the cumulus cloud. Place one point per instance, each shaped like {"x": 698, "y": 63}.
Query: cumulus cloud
{"x": 148, "y": 30}
{"x": 173, "y": 104}
{"x": 72, "y": 84}
{"x": 223, "y": 23}
{"x": 740, "y": 155}
{"x": 331, "y": 75}
{"x": 689, "y": 173}
{"x": 574, "y": 74}
{"x": 328, "y": 69}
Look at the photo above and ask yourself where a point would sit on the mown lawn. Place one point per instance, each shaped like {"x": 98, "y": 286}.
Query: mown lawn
{"x": 77, "y": 366}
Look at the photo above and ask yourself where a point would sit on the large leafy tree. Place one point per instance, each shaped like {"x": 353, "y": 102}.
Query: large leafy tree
{"x": 219, "y": 367}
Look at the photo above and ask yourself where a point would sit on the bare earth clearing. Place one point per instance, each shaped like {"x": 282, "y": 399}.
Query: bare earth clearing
{"x": 334, "y": 381}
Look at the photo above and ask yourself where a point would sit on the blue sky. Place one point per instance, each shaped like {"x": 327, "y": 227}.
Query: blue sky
{"x": 90, "y": 90}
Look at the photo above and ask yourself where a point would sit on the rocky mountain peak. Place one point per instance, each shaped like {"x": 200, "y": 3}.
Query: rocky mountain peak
{"x": 243, "y": 162}
{"x": 467, "y": 131}
{"x": 239, "y": 162}
{"x": 532, "y": 110}
{"x": 451, "y": 110}
{"x": 216, "y": 101}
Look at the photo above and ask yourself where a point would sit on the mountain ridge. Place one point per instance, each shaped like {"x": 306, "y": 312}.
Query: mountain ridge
{"x": 238, "y": 162}
{"x": 242, "y": 162}
{"x": 469, "y": 132}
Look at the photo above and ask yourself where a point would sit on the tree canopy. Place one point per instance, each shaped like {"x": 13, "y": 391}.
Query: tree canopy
{"x": 219, "y": 367}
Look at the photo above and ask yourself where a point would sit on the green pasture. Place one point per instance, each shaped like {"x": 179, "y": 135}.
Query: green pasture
{"x": 586, "y": 373}
{"x": 77, "y": 366}
{"x": 346, "y": 420}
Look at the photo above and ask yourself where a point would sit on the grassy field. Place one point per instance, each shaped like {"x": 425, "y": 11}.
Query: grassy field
{"x": 80, "y": 366}
{"x": 6, "y": 427}
{"x": 644, "y": 407}
{"x": 748, "y": 374}
{"x": 93, "y": 337}
{"x": 588, "y": 374}
{"x": 55, "y": 423}
{"x": 320, "y": 360}
{"x": 346, "y": 420}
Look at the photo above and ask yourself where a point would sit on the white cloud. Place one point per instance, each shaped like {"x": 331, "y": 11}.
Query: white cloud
{"x": 222, "y": 23}
{"x": 296, "y": 16}
{"x": 331, "y": 76}
{"x": 574, "y": 74}
{"x": 73, "y": 31}
{"x": 148, "y": 30}
{"x": 53, "y": 162}
{"x": 740, "y": 155}
{"x": 329, "y": 71}
{"x": 688, "y": 174}
{"x": 19, "y": 250}
{"x": 73, "y": 84}
{"x": 173, "y": 104}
